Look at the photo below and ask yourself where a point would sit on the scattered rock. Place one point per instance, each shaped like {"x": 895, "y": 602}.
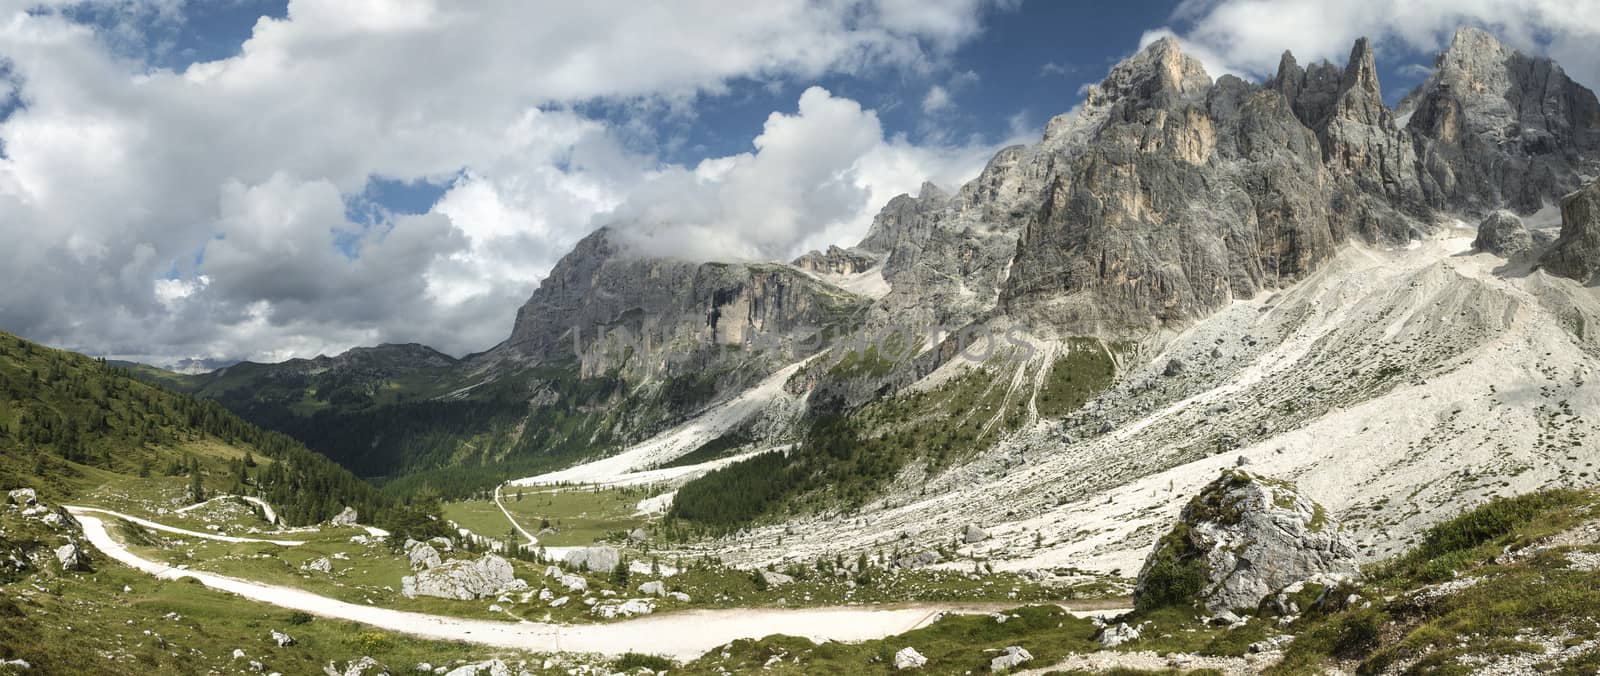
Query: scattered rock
{"x": 1226, "y": 618}
{"x": 638, "y": 535}
{"x": 320, "y": 565}
{"x": 23, "y": 497}
{"x": 1175, "y": 367}
{"x": 628, "y": 608}
{"x": 490, "y": 668}
{"x": 366, "y": 666}
{"x": 575, "y": 583}
{"x": 1013, "y": 657}
{"x": 775, "y": 579}
{"x": 283, "y": 640}
{"x": 1272, "y": 644}
{"x": 1118, "y": 634}
{"x": 909, "y": 658}
{"x": 919, "y": 559}
{"x": 653, "y": 588}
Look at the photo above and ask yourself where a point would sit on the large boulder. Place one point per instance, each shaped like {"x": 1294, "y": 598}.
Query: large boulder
{"x": 345, "y": 518}
{"x": 1011, "y": 658}
{"x": 1242, "y": 538}
{"x": 594, "y": 559}
{"x": 463, "y": 580}
{"x": 424, "y": 557}
{"x": 70, "y": 557}
{"x": 1576, "y": 254}
{"x": 909, "y": 658}
{"x": 972, "y": 534}
{"x": 1504, "y": 235}
{"x": 23, "y": 497}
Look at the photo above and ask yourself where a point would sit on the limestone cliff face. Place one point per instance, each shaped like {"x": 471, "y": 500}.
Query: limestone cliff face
{"x": 1188, "y": 194}
{"x": 616, "y": 310}
{"x": 1498, "y": 128}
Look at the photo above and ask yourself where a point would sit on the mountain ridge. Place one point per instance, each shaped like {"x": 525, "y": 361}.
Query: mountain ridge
{"x": 1163, "y": 199}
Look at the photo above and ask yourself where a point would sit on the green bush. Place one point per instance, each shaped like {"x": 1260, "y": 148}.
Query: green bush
{"x": 1176, "y": 573}
{"x": 630, "y": 662}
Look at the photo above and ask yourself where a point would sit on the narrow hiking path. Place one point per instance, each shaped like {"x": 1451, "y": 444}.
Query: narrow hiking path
{"x": 84, "y": 512}
{"x": 532, "y": 539}
{"x": 266, "y": 508}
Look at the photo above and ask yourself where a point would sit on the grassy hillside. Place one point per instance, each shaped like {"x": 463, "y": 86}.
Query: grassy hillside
{"x": 414, "y": 422}
{"x": 848, "y": 458}
{"x": 69, "y": 423}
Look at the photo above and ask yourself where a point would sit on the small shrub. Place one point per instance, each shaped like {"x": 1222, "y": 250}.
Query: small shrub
{"x": 1175, "y": 576}
{"x": 631, "y": 662}
{"x": 1357, "y": 631}
{"x": 374, "y": 642}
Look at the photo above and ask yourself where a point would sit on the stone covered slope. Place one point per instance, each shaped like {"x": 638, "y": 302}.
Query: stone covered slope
{"x": 1393, "y": 386}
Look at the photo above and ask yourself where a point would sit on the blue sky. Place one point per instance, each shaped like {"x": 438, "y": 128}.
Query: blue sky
{"x": 265, "y": 179}
{"x": 1029, "y": 64}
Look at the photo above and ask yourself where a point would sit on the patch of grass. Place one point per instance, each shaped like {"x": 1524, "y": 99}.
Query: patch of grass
{"x": 1085, "y": 371}
{"x": 1476, "y": 535}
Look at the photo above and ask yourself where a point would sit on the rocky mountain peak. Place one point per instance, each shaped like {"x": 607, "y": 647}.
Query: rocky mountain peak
{"x": 1497, "y": 126}
{"x": 1361, "y": 72}
{"x": 1159, "y": 69}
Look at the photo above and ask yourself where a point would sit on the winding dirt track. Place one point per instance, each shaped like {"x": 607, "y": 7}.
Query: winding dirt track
{"x": 681, "y": 635}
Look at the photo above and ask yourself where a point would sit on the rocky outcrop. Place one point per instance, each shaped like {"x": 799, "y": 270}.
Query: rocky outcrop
{"x": 1503, "y": 234}
{"x": 836, "y": 261}
{"x": 1242, "y": 538}
{"x": 1576, "y": 253}
{"x": 347, "y": 517}
{"x": 594, "y": 559}
{"x": 422, "y": 556}
{"x": 1497, "y": 128}
{"x": 463, "y": 580}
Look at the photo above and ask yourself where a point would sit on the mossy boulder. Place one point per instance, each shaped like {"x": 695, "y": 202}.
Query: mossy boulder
{"x": 1242, "y": 538}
